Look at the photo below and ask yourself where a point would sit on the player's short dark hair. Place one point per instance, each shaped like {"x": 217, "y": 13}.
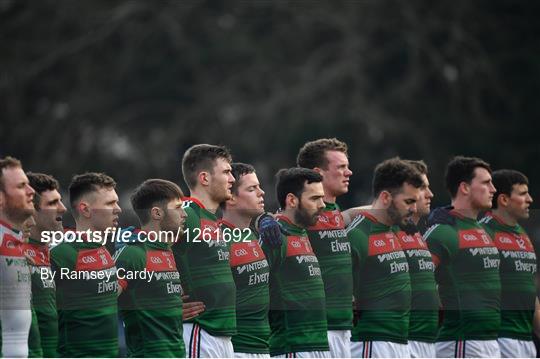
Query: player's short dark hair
{"x": 86, "y": 183}
{"x": 41, "y": 182}
{"x": 419, "y": 165}
{"x": 7, "y": 162}
{"x": 313, "y": 153}
{"x": 238, "y": 170}
{"x": 504, "y": 181}
{"x": 293, "y": 180}
{"x": 461, "y": 169}
{"x": 153, "y": 192}
{"x": 391, "y": 174}
{"x": 199, "y": 158}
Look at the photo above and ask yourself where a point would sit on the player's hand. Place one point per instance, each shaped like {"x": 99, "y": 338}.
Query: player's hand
{"x": 270, "y": 230}
{"x": 191, "y": 309}
{"x": 441, "y": 215}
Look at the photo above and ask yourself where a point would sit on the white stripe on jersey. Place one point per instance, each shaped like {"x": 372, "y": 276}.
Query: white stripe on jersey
{"x": 118, "y": 252}
{"x": 356, "y": 221}
{"x": 485, "y": 220}
{"x": 428, "y": 232}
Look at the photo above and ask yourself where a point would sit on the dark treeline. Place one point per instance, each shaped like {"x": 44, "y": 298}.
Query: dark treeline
{"x": 126, "y": 87}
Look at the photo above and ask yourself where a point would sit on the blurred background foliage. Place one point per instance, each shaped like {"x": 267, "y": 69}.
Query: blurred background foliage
{"x": 125, "y": 87}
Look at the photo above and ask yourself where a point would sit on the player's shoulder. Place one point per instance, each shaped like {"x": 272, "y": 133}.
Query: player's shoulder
{"x": 64, "y": 254}
{"x": 440, "y": 232}
{"x": 488, "y": 221}
{"x": 64, "y": 248}
{"x": 362, "y": 223}
{"x": 131, "y": 250}
{"x": 131, "y": 254}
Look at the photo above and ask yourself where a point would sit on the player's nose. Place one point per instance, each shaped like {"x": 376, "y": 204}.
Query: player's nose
{"x": 61, "y": 208}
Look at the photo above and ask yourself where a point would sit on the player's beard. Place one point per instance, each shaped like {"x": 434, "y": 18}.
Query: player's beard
{"x": 17, "y": 214}
{"x": 396, "y": 218}
{"x": 220, "y": 194}
{"x": 169, "y": 224}
{"x": 304, "y": 218}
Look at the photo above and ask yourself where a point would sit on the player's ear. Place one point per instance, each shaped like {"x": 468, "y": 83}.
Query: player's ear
{"x": 291, "y": 200}
{"x": 318, "y": 170}
{"x": 84, "y": 209}
{"x": 156, "y": 214}
{"x": 204, "y": 178}
{"x": 464, "y": 188}
{"x": 503, "y": 200}
{"x": 2, "y": 199}
{"x": 385, "y": 198}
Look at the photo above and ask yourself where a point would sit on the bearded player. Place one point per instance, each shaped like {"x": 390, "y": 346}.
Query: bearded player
{"x": 382, "y": 285}
{"x": 16, "y": 206}
{"x": 297, "y": 300}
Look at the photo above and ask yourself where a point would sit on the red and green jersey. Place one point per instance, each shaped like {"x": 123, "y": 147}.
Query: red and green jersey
{"x": 333, "y": 250}
{"x": 517, "y": 273}
{"x": 424, "y": 317}
{"x": 381, "y": 282}
{"x": 150, "y": 303}
{"x": 43, "y": 297}
{"x": 468, "y": 279}
{"x": 86, "y": 298}
{"x": 251, "y": 274}
{"x": 297, "y": 303}
{"x": 15, "y": 279}
{"x": 203, "y": 262}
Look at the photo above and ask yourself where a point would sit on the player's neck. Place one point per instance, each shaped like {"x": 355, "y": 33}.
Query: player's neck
{"x": 380, "y": 213}
{"x": 35, "y": 234}
{"x": 154, "y": 229}
{"x": 236, "y": 218}
{"x": 289, "y": 213}
{"x": 14, "y": 224}
{"x": 90, "y": 231}
{"x": 204, "y": 197}
{"x": 505, "y": 217}
{"x": 463, "y": 206}
{"x": 329, "y": 198}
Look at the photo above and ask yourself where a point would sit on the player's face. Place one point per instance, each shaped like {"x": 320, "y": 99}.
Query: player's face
{"x": 481, "y": 189}
{"x": 403, "y": 204}
{"x": 27, "y": 227}
{"x": 519, "y": 202}
{"x": 250, "y": 197}
{"x": 221, "y": 181}
{"x": 423, "y": 205}
{"x": 311, "y": 205}
{"x": 175, "y": 216}
{"x": 336, "y": 175}
{"x": 104, "y": 209}
{"x": 17, "y": 196}
{"x": 51, "y": 210}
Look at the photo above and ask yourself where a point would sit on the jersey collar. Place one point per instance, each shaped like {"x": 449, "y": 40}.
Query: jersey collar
{"x": 194, "y": 200}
